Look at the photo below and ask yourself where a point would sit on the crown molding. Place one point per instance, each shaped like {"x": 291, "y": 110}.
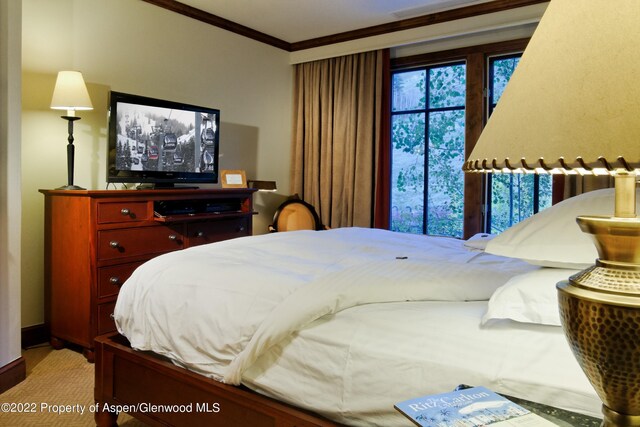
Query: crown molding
{"x": 403, "y": 24}
{"x": 219, "y": 22}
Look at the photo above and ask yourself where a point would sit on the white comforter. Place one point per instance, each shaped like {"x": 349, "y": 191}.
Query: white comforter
{"x": 315, "y": 318}
{"x": 216, "y": 308}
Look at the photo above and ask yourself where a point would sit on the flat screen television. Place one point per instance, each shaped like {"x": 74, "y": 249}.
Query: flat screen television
{"x": 161, "y": 143}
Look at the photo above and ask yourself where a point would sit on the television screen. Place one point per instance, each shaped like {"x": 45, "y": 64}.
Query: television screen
{"x": 161, "y": 142}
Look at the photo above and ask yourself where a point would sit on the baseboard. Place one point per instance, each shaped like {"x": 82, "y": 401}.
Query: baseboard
{"x": 34, "y": 335}
{"x": 16, "y": 371}
{"x": 12, "y": 374}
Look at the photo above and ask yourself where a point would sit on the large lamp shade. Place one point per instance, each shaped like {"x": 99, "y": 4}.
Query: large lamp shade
{"x": 573, "y": 106}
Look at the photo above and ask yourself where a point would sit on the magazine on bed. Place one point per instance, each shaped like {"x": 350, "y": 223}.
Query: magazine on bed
{"x": 471, "y": 407}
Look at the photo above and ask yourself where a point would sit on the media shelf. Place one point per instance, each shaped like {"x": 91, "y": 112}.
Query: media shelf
{"x": 200, "y": 209}
{"x": 94, "y": 240}
{"x": 200, "y": 216}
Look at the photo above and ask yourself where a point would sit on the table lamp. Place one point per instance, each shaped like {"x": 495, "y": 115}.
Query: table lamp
{"x": 573, "y": 107}
{"x": 70, "y": 94}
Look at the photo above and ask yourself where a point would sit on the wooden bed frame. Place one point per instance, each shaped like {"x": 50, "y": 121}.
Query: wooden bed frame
{"x": 125, "y": 377}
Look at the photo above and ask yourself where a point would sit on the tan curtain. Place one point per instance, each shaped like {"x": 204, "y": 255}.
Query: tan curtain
{"x": 336, "y": 135}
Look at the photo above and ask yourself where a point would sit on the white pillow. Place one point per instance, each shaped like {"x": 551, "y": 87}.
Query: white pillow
{"x": 552, "y": 238}
{"x": 530, "y": 297}
{"x": 478, "y": 241}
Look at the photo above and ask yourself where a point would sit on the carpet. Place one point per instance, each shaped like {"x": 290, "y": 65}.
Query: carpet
{"x": 58, "y": 391}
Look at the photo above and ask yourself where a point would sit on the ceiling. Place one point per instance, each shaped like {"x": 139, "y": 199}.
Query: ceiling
{"x": 294, "y": 21}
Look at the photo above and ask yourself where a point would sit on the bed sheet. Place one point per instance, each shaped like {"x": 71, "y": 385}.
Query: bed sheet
{"x": 352, "y": 367}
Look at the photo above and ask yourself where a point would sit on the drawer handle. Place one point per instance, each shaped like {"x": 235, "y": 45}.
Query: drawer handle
{"x": 173, "y": 237}
{"x": 241, "y": 228}
{"x": 114, "y": 244}
{"x": 200, "y": 234}
{"x": 125, "y": 211}
{"x": 114, "y": 280}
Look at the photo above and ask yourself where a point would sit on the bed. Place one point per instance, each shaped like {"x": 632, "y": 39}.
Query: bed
{"x": 334, "y": 327}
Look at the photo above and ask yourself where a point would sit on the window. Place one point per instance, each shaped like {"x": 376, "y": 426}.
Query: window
{"x": 428, "y": 123}
{"x": 439, "y": 104}
{"x": 513, "y": 197}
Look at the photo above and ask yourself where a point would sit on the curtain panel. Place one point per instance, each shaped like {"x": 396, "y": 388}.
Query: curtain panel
{"x": 339, "y": 123}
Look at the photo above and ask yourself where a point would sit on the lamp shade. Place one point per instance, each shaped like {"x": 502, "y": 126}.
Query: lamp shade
{"x": 573, "y": 106}
{"x": 573, "y": 103}
{"x": 70, "y": 92}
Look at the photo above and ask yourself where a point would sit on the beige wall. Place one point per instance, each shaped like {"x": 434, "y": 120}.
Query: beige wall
{"x": 134, "y": 47}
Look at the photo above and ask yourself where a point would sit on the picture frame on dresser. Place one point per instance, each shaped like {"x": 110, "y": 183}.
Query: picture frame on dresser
{"x": 94, "y": 240}
{"x": 233, "y": 178}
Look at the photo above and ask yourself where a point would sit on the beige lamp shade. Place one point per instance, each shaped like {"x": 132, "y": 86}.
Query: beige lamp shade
{"x": 70, "y": 93}
{"x": 573, "y": 103}
{"x": 573, "y": 106}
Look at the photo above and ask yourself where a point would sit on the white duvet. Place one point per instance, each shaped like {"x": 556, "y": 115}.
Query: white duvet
{"x": 233, "y": 310}
{"x": 216, "y": 308}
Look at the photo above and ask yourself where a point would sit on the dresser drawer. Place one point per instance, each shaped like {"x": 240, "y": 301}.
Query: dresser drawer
{"x": 111, "y": 278}
{"x": 127, "y": 242}
{"x": 199, "y": 233}
{"x": 105, "y": 321}
{"x": 123, "y": 212}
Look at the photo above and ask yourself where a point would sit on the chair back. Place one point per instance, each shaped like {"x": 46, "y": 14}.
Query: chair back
{"x": 295, "y": 214}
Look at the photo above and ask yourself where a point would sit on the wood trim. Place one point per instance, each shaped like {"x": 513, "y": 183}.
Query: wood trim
{"x": 558, "y": 183}
{"x": 220, "y": 22}
{"x": 12, "y": 374}
{"x": 403, "y": 24}
{"x": 497, "y": 48}
{"x": 382, "y": 199}
{"x": 34, "y": 335}
{"x": 420, "y": 21}
{"x": 475, "y": 114}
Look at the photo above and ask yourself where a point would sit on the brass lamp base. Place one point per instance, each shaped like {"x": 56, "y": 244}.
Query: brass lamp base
{"x": 600, "y": 313}
{"x": 612, "y": 418}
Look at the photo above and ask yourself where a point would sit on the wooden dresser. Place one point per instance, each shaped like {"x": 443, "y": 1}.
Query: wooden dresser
{"x": 95, "y": 239}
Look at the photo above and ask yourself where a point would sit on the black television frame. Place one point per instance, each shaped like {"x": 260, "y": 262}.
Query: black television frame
{"x": 158, "y": 177}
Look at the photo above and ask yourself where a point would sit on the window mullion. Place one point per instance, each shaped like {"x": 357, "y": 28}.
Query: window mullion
{"x": 425, "y": 202}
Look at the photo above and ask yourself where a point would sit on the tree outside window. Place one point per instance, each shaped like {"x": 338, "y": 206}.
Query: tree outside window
{"x": 428, "y": 149}
{"x": 428, "y": 119}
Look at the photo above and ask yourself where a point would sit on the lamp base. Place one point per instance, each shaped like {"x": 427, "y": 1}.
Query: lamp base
{"x": 70, "y": 187}
{"x": 600, "y": 313}
{"x": 615, "y": 419}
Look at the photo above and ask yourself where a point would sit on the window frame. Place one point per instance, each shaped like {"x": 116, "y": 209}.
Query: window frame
{"x": 426, "y": 111}
{"x": 476, "y": 108}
